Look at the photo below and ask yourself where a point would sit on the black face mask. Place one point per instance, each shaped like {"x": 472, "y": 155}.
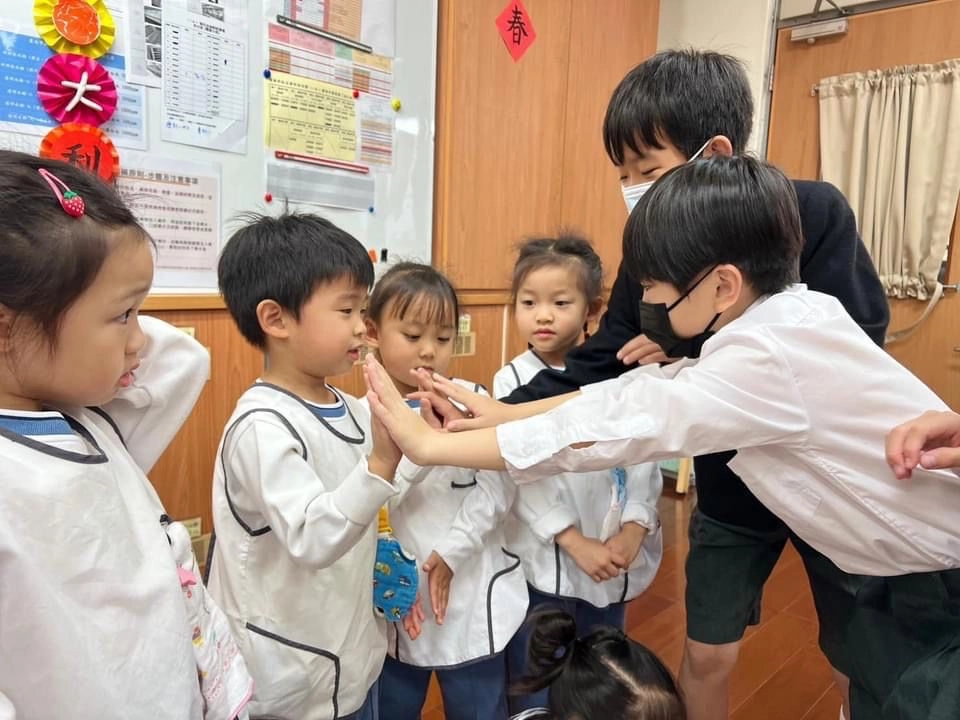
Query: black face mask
{"x": 655, "y": 324}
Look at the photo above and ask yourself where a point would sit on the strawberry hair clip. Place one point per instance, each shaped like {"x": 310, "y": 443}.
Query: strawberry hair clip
{"x": 71, "y": 203}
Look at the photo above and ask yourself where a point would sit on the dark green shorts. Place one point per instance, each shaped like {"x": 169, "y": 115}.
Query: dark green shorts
{"x": 906, "y": 648}
{"x": 727, "y": 567}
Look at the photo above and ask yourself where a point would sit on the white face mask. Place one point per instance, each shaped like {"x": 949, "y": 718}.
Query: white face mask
{"x": 633, "y": 193}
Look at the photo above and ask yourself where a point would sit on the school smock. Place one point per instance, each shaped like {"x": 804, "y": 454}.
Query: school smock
{"x": 459, "y": 514}
{"x": 92, "y": 619}
{"x": 294, "y": 510}
{"x": 546, "y": 508}
{"x": 807, "y": 400}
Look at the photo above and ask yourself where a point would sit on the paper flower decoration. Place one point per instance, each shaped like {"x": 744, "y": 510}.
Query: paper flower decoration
{"x": 84, "y": 146}
{"x": 84, "y": 27}
{"x": 75, "y": 88}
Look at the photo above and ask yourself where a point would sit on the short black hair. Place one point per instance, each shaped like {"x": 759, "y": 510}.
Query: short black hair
{"x": 683, "y": 96}
{"x": 413, "y": 286}
{"x": 47, "y": 257}
{"x": 726, "y": 210}
{"x": 285, "y": 258}
{"x": 567, "y": 249}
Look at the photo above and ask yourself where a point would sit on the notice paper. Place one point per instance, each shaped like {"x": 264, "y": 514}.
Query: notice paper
{"x": 310, "y": 117}
{"x": 178, "y": 203}
{"x": 205, "y": 74}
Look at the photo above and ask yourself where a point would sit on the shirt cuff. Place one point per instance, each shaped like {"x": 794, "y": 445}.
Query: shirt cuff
{"x": 362, "y": 496}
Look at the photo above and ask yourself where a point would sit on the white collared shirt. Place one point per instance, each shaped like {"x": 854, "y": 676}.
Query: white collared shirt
{"x": 807, "y": 398}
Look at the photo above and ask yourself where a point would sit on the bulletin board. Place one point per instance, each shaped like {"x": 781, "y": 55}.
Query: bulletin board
{"x": 224, "y": 107}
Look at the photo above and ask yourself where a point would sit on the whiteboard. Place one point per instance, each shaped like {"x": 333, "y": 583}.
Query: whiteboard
{"x": 402, "y": 217}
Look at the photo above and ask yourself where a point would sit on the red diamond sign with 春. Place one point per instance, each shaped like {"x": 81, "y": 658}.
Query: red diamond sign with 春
{"x": 516, "y": 29}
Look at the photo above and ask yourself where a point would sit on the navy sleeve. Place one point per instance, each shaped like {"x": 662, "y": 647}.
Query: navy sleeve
{"x": 836, "y": 262}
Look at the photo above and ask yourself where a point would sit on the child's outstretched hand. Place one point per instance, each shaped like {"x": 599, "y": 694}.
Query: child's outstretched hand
{"x": 931, "y": 441}
{"x": 413, "y": 622}
{"x": 439, "y": 576}
{"x": 408, "y": 430}
{"x": 626, "y": 543}
{"x": 482, "y": 411}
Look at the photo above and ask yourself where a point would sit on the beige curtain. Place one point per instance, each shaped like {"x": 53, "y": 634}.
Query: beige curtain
{"x": 890, "y": 140}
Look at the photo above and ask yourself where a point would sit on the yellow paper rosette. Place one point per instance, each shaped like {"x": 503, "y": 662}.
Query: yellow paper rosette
{"x": 83, "y": 27}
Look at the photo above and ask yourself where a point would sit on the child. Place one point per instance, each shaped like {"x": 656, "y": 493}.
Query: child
{"x": 600, "y": 676}
{"x": 715, "y": 246}
{"x": 589, "y": 542}
{"x": 664, "y": 112}
{"x": 298, "y": 483}
{"x": 451, "y": 519}
{"x": 93, "y": 621}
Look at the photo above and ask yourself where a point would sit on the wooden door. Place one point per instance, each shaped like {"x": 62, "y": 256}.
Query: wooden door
{"x": 921, "y": 33}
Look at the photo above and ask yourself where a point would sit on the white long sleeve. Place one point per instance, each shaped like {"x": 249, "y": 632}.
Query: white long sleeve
{"x": 746, "y": 394}
{"x": 317, "y": 519}
{"x": 173, "y": 370}
{"x": 480, "y": 514}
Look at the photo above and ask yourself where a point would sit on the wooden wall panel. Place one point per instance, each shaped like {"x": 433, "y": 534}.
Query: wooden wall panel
{"x": 500, "y": 124}
{"x": 603, "y": 47}
{"x": 184, "y": 473}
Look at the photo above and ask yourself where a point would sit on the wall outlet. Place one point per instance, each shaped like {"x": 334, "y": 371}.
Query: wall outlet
{"x": 201, "y": 546}
{"x": 465, "y": 345}
{"x": 191, "y": 331}
{"x": 194, "y": 526}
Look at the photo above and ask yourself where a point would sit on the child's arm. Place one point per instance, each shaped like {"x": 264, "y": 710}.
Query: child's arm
{"x": 316, "y": 519}
{"x": 173, "y": 370}
{"x": 742, "y": 395}
{"x": 640, "y": 516}
{"x": 480, "y": 513}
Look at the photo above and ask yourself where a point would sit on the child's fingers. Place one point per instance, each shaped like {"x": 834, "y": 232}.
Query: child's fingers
{"x": 940, "y": 458}
{"x": 444, "y": 598}
{"x": 435, "y": 598}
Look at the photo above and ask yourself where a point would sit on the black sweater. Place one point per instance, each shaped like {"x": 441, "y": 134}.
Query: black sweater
{"x": 834, "y": 261}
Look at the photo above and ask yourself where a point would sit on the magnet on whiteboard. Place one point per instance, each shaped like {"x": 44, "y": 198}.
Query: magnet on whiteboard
{"x": 266, "y": 74}
{"x": 395, "y": 104}
{"x": 370, "y": 209}
{"x": 372, "y": 254}
{"x": 268, "y": 197}
{"x": 356, "y": 93}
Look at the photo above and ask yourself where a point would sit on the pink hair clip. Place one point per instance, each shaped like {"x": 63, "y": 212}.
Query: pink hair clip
{"x": 71, "y": 203}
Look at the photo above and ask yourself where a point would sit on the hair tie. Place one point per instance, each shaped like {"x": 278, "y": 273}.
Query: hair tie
{"x": 71, "y": 203}
{"x": 564, "y": 650}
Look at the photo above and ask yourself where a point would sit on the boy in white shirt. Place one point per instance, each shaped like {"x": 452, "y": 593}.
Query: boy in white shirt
{"x": 298, "y": 484}
{"x": 715, "y": 246}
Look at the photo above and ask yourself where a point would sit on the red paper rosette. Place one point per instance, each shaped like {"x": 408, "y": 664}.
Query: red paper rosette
{"x": 85, "y": 146}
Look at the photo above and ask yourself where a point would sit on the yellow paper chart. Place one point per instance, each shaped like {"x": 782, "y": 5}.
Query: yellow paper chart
{"x": 310, "y": 117}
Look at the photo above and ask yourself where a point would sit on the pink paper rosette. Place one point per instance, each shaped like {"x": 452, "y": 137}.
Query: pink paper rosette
{"x": 75, "y": 88}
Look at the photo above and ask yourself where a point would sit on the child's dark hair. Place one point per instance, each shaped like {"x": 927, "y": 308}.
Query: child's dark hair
{"x": 738, "y": 211}
{"x": 285, "y": 259}
{"x": 683, "y": 96}
{"x": 406, "y": 286}
{"x": 566, "y": 249}
{"x": 47, "y": 257}
{"x": 590, "y": 676}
